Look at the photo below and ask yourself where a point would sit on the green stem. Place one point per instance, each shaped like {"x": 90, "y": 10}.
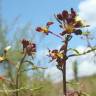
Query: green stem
{"x": 18, "y": 73}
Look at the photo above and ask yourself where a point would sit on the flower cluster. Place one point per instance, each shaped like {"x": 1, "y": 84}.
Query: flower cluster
{"x": 44, "y": 29}
{"x": 28, "y": 47}
{"x": 58, "y": 56}
{"x": 70, "y": 22}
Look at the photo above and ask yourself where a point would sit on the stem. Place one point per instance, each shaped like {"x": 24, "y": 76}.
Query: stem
{"x": 64, "y": 69}
{"x": 55, "y": 35}
{"x": 64, "y": 79}
{"x": 18, "y": 73}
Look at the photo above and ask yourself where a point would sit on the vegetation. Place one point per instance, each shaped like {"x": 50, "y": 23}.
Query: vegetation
{"x": 17, "y": 60}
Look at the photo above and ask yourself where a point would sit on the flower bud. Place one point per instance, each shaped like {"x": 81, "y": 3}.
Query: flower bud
{"x": 59, "y": 16}
{"x": 78, "y": 32}
{"x": 65, "y": 14}
{"x": 49, "y": 23}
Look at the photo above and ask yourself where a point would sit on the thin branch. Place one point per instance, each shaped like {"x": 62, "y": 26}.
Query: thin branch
{"x": 18, "y": 73}
{"x": 27, "y": 61}
{"x": 33, "y": 68}
{"x": 23, "y": 88}
{"x": 88, "y": 51}
{"x": 56, "y": 35}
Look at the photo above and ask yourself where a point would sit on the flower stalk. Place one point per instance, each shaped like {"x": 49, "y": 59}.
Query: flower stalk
{"x": 18, "y": 74}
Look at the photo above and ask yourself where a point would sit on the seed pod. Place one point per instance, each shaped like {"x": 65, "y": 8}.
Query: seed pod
{"x": 78, "y": 32}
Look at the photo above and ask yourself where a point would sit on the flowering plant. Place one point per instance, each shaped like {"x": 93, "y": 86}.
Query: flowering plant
{"x": 71, "y": 25}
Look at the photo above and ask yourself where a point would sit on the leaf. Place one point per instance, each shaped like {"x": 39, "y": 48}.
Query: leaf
{"x": 76, "y": 51}
{"x": 5, "y": 89}
{"x": 85, "y": 33}
{"x": 17, "y": 65}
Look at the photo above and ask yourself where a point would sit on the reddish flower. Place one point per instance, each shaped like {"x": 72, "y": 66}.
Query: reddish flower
{"x": 70, "y": 20}
{"x": 65, "y": 14}
{"x": 31, "y": 48}
{"x": 73, "y": 13}
{"x": 25, "y": 43}
{"x": 43, "y": 29}
{"x": 28, "y": 47}
{"x": 39, "y": 29}
{"x": 59, "y": 16}
{"x": 49, "y": 23}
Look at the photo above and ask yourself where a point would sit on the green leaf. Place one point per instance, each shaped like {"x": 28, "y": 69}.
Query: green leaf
{"x": 76, "y": 51}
